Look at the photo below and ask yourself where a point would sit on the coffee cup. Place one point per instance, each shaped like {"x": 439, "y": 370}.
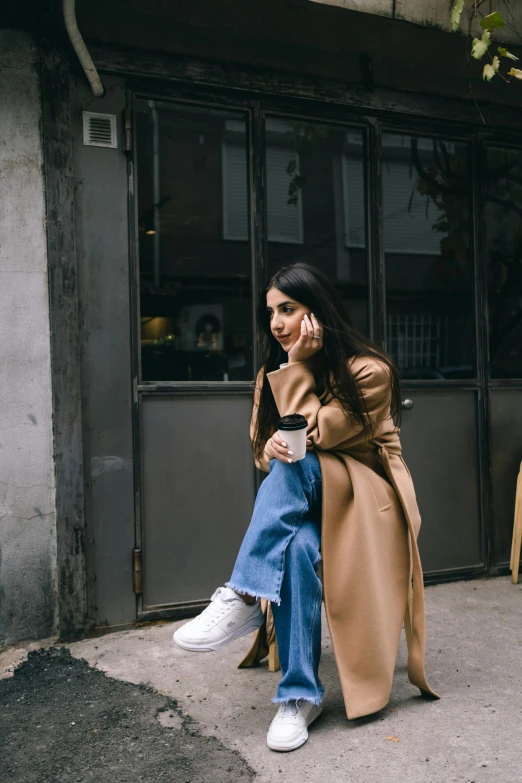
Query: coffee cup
{"x": 292, "y": 429}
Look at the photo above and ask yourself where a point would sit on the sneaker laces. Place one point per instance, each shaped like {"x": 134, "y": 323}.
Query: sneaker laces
{"x": 225, "y": 594}
{"x": 290, "y": 708}
{"x": 216, "y": 608}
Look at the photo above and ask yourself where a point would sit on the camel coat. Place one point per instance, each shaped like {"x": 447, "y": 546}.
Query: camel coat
{"x": 370, "y": 524}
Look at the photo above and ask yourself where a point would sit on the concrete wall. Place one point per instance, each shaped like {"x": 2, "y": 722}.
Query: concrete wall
{"x": 436, "y": 13}
{"x": 27, "y": 492}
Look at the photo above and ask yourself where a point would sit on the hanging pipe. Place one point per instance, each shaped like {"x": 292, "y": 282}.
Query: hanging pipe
{"x": 89, "y": 69}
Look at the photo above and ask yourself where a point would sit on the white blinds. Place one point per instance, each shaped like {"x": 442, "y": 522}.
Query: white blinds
{"x": 354, "y": 203}
{"x": 408, "y": 227}
{"x": 235, "y": 192}
{"x": 408, "y": 218}
{"x": 285, "y": 221}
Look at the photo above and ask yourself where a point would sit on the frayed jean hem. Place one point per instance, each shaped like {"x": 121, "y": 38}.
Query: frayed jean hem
{"x": 272, "y": 597}
{"x": 295, "y": 696}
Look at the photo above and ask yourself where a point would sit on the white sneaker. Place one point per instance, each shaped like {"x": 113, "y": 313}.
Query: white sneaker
{"x": 289, "y": 729}
{"x": 226, "y": 618}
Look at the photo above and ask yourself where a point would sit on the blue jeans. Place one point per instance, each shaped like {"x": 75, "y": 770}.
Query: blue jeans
{"x": 278, "y": 560}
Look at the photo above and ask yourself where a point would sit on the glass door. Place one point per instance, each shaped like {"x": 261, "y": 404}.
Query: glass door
{"x": 503, "y": 224}
{"x": 431, "y": 333}
{"x": 316, "y": 196}
{"x": 306, "y": 189}
{"x": 194, "y": 349}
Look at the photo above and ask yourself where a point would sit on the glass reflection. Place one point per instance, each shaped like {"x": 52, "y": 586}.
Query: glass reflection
{"x": 429, "y": 271}
{"x": 194, "y": 252}
{"x": 316, "y": 204}
{"x": 504, "y": 254}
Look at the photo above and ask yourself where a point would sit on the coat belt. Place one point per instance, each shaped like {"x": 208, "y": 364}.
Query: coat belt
{"x": 416, "y": 640}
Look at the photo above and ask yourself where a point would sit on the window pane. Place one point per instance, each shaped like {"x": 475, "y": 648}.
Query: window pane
{"x": 316, "y": 205}
{"x": 504, "y": 252}
{"x": 429, "y": 270}
{"x": 194, "y": 252}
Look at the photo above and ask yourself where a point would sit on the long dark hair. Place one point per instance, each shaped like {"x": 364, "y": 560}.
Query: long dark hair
{"x": 341, "y": 341}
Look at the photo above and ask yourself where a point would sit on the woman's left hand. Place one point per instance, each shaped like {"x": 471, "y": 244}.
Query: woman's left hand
{"x": 280, "y": 448}
{"x": 310, "y": 341}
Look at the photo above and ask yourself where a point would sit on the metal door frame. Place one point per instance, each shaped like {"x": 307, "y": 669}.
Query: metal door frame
{"x": 198, "y": 388}
{"x": 487, "y": 139}
{"x": 476, "y": 384}
{"x": 374, "y": 123}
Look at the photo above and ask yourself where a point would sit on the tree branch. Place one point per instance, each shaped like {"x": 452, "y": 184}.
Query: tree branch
{"x": 503, "y": 203}
{"x": 423, "y": 174}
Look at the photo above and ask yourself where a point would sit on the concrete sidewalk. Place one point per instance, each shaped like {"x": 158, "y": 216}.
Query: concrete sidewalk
{"x": 473, "y": 734}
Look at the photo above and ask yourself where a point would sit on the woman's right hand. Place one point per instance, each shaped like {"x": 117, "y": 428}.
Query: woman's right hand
{"x": 281, "y": 449}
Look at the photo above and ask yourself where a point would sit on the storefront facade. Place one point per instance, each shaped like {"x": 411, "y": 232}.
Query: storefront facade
{"x": 389, "y": 210}
{"x": 210, "y": 177}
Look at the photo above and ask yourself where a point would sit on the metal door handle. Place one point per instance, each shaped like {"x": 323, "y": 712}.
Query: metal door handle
{"x": 407, "y": 405}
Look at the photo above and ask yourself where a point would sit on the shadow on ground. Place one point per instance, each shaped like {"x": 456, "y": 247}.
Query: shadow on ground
{"x": 65, "y": 722}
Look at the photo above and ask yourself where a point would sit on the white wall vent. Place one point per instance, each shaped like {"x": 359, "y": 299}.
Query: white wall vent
{"x": 99, "y": 130}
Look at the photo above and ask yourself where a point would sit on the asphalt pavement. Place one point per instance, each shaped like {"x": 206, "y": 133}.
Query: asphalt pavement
{"x": 130, "y": 706}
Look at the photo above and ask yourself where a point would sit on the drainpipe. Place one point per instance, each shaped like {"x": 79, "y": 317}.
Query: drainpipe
{"x": 89, "y": 69}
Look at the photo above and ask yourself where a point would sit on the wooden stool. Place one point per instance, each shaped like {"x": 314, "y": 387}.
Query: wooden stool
{"x": 517, "y": 531}
{"x": 273, "y": 656}
{"x": 265, "y": 643}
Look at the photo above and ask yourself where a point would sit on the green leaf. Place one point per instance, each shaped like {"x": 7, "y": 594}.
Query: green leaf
{"x": 291, "y": 167}
{"x": 516, "y": 72}
{"x": 456, "y": 14}
{"x": 481, "y": 45}
{"x": 504, "y": 53}
{"x": 492, "y": 21}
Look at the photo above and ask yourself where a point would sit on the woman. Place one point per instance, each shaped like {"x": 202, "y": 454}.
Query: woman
{"x": 351, "y": 498}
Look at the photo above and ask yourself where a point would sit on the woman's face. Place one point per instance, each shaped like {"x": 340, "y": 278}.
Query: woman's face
{"x": 285, "y": 317}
